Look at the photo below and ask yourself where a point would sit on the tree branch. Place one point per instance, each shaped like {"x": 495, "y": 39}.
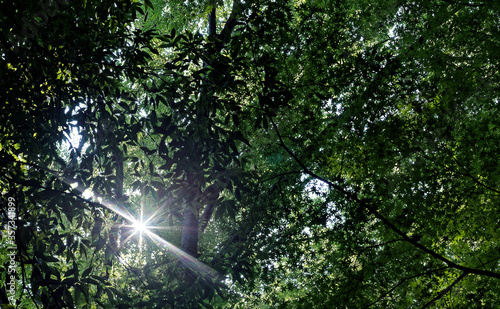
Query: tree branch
{"x": 231, "y": 22}
{"x": 367, "y": 204}
{"x": 468, "y": 174}
{"x": 465, "y": 3}
{"x": 205, "y": 217}
{"x": 443, "y": 292}
{"x": 401, "y": 282}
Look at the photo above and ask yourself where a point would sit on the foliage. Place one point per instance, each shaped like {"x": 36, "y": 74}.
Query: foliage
{"x": 301, "y": 154}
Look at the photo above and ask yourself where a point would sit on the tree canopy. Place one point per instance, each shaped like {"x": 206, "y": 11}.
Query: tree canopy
{"x": 250, "y": 154}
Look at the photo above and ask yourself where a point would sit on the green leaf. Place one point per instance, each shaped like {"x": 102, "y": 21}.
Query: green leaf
{"x": 87, "y": 272}
{"x": 49, "y": 259}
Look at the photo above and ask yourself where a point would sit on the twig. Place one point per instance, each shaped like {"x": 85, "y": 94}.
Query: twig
{"x": 443, "y": 292}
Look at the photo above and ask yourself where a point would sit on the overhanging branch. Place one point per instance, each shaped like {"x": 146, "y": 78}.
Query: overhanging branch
{"x": 368, "y": 205}
{"x": 230, "y": 24}
{"x": 443, "y": 292}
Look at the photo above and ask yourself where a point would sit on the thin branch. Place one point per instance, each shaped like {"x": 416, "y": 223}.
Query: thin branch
{"x": 467, "y": 173}
{"x": 53, "y": 172}
{"x": 363, "y": 249}
{"x": 24, "y": 280}
{"x": 367, "y": 204}
{"x": 443, "y": 292}
{"x": 465, "y": 3}
{"x": 281, "y": 175}
{"x": 283, "y": 196}
{"x": 78, "y": 197}
{"x": 402, "y": 281}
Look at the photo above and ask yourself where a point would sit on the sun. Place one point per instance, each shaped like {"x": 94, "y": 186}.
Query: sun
{"x": 139, "y": 226}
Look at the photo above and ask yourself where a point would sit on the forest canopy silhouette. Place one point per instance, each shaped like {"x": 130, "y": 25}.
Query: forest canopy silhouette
{"x": 249, "y": 154}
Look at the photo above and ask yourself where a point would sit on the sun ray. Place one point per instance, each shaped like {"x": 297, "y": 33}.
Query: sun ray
{"x": 186, "y": 260}
{"x": 140, "y": 226}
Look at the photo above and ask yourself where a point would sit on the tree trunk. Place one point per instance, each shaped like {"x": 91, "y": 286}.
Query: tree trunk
{"x": 189, "y": 241}
{"x": 190, "y": 226}
{"x": 191, "y": 223}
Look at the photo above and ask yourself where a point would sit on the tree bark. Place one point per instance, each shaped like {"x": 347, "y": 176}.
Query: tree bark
{"x": 191, "y": 221}
{"x": 189, "y": 241}
{"x": 190, "y": 225}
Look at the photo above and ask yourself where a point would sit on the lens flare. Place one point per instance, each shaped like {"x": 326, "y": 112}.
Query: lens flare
{"x": 140, "y": 227}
